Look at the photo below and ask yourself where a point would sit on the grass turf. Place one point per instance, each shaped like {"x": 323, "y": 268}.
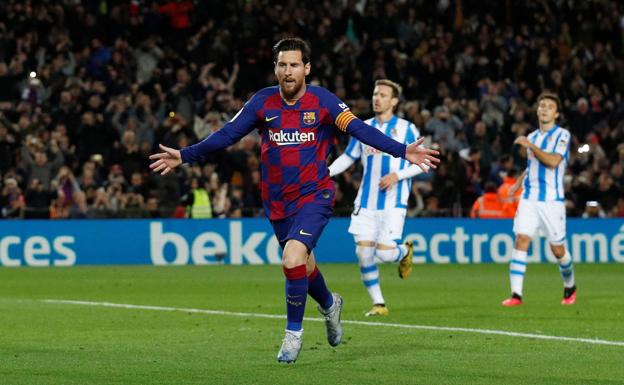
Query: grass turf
{"x": 51, "y": 343}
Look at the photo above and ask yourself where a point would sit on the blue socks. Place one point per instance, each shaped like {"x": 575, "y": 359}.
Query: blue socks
{"x": 296, "y": 295}
{"x": 298, "y": 286}
{"x": 318, "y": 289}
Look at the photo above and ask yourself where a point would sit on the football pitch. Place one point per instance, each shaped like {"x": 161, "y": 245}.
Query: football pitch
{"x": 224, "y": 324}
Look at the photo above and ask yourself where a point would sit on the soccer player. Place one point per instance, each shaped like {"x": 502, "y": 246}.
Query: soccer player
{"x": 541, "y": 206}
{"x": 297, "y": 124}
{"x": 381, "y": 203}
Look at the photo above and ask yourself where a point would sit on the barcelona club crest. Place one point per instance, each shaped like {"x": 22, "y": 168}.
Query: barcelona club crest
{"x": 309, "y": 117}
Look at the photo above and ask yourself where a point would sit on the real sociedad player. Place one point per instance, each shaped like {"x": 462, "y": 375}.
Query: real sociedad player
{"x": 297, "y": 124}
{"x": 381, "y": 202}
{"x": 541, "y": 207}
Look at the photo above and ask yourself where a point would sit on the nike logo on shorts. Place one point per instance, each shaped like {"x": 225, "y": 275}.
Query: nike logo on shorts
{"x": 301, "y": 232}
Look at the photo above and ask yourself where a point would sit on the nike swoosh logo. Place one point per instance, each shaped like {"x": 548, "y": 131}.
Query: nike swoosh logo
{"x": 304, "y": 233}
{"x": 267, "y": 119}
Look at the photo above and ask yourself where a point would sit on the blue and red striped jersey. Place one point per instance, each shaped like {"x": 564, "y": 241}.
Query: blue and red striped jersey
{"x": 296, "y": 140}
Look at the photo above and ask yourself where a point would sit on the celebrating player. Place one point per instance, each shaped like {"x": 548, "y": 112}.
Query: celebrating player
{"x": 297, "y": 125}
{"x": 381, "y": 203}
{"x": 541, "y": 206}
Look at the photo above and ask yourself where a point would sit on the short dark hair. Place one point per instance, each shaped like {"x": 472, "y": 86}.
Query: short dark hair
{"x": 293, "y": 44}
{"x": 490, "y": 187}
{"x": 551, "y": 96}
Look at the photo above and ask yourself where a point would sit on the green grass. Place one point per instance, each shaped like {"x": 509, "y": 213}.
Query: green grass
{"x": 50, "y": 343}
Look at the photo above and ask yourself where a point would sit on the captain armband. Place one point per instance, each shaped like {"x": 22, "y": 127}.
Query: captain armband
{"x": 343, "y": 120}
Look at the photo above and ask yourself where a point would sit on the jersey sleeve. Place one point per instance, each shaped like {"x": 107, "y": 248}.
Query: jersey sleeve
{"x": 339, "y": 165}
{"x": 241, "y": 124}
{"x": 409, "y": 172}
{"x": 563, "y": 144}
{"x": 340, "y": 113}
{"x": 344, "y": 161}
{"x": 412, "y": 134}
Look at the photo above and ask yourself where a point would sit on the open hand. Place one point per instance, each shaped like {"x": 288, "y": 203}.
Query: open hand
{"x": 422, "y": 157}
{"x": 165, "y": 161}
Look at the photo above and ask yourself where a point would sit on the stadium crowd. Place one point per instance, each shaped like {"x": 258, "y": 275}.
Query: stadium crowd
{"x": 89, "y": 88}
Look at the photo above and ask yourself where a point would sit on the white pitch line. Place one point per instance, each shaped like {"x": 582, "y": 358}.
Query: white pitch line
{"x": 350, "y": 322}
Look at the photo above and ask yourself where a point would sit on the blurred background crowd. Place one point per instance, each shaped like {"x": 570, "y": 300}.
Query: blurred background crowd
{"x": 89, "y": 88}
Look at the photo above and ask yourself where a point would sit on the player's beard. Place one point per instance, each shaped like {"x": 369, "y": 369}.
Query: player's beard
{"x": 290, "y": 93}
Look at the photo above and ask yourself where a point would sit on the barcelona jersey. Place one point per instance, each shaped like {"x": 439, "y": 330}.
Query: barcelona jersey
{"x": 296, "y": 140}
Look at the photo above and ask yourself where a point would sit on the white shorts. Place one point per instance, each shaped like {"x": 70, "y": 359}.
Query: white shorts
{"x": 380, "y": 226}
{"x": 549, "y": 217}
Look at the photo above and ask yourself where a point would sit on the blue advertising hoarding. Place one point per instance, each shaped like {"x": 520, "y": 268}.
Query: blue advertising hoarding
{"x": 251, "y": 241}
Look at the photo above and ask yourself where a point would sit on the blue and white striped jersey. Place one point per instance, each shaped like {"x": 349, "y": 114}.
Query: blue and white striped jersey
{"x": 377, "y": 164}
{"x": 543, "y": 183}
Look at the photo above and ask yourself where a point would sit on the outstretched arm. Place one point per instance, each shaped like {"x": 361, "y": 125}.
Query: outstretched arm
{"x": 240, "y": 125}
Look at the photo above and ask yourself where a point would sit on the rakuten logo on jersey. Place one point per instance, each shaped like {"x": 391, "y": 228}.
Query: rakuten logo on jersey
{"x": 282, "y": 138}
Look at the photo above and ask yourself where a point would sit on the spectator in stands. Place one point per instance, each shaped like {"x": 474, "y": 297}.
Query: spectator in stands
{"x": 488, "y": 145}
{"x": 11, "y": 199}
{"x": 581, "y": 121}
{"x": 138, "y": 186}
{"x": 488, "y": 205}
{"x": 198, "y": 200}
{"x": 593, "y": 209}
{"x": 37, "y": 200}
{"x": 38, "y": 166}
{"x": 71, "y": 200}
{"x": 151, "y": 206}
{"x": 607, "y": 193}
{"x": 493, "y": 105}
{"x": 147, "y": 57}
{"x": 8, "y": 143}
{"x": 128, "y": 156}
{"x": 94, "y": 137}
{"x": 444, "y": 126}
